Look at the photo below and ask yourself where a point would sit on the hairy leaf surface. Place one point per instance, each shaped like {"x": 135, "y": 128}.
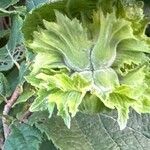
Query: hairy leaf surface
{"x": 94, "y": 132}
{"x": 106, "y": 58}
{"x": 23, "y": 137}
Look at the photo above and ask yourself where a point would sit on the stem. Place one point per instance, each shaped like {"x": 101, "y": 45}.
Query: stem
{"x": 7, "y": 109}
{"x": 25, "y": 116}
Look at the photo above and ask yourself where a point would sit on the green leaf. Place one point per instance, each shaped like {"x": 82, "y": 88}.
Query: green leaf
{"x": 47, "y": 145}
{"x": 81, "y": 8}
{"x": 17, "y": 10}
{"x": 130, "y": 94}
{"x": 44, "y": 127}
{"x": 111, "y": 32}
{"x": 18, "y": 112}
{"x": 13, "y": 80}
{"x": 23, "y": 71}
{"x": 37, "y": 117}
{"x": 33, "y": 81}
{"x": 122, "y": 104}
{"x": 75, "y": 82}
{"x": 62, "y": 38}
{"x": 4, "y": 12}
{"x": 43, "y": 59}
{"x": 62, "y": 81}
{"x": 61, "y": 98}
{"x": 64, "y": 101}
{"x": 137, "y": 88}
{"x": 134, "y": 11}
{"x": 91, "y": 104}
{"x": 135, "y": 45}
{"x": 143, "y": 105}
{"x": 7, "y": 3}
{"x": 137, "y": 75}
{"x": 91, "y": 132}
{"x": 35, "y": 19}
{"x": 32, "y": 4}
{"x": 146, "y": 7}
{"x": 14, "y": 50}
{"x": 67, "y": 95}
{"x": 106, "y": 80}
{"x": 127, "y": 61}
{"x": 39, "y": 103}
{"x": 27, "y": 93}
{"x": 4, "y": 88}
{"x": 16, "y": 34}
{"x": 107, "y": 5}
{"x": 79, "y": 61}
{"x": 21, "y": 137}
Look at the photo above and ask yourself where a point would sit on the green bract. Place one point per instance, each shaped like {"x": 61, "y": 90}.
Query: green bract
{"x": 104, "y": 59}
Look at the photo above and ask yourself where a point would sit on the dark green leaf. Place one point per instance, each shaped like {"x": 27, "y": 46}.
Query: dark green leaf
{"x": 14, "y": 50}
{"x": 7, "y": 3}
{"x": 23, "y": 137}
{"x": 47, "y": 145}
{"x": 44, "y": 126}
{"x": 35, "y": 19}
{"x": 96, "y": 132}
{"x": 13, "y": 78}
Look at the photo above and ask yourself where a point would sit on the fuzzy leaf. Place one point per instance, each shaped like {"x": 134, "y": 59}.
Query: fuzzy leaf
{"x": 14, "y": 50}
{"x": 122, "y": 104}
{"x": 65, "y": 100}
{"x": 106, "y": 80}
{"x": 35, "y": 19}
{"x": 137, "y": 74}
{"x": 47, "y": 145}
{"x": 127, "y": 61}
{"x": 39, "y": 103}
{"x": 61, "y": 38}
{"x": 21, "y": 136}
{"x": 7, "y": 3}
{"x": 42, "y": 59}
{"x": 111, "y": 32}
{"x": 64, "y": 82}
{"x": 91, "y": 132}
{"x": 67, "y": 94}
{"x": 82, "y": 61}
{"x": 134, "y": 45}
